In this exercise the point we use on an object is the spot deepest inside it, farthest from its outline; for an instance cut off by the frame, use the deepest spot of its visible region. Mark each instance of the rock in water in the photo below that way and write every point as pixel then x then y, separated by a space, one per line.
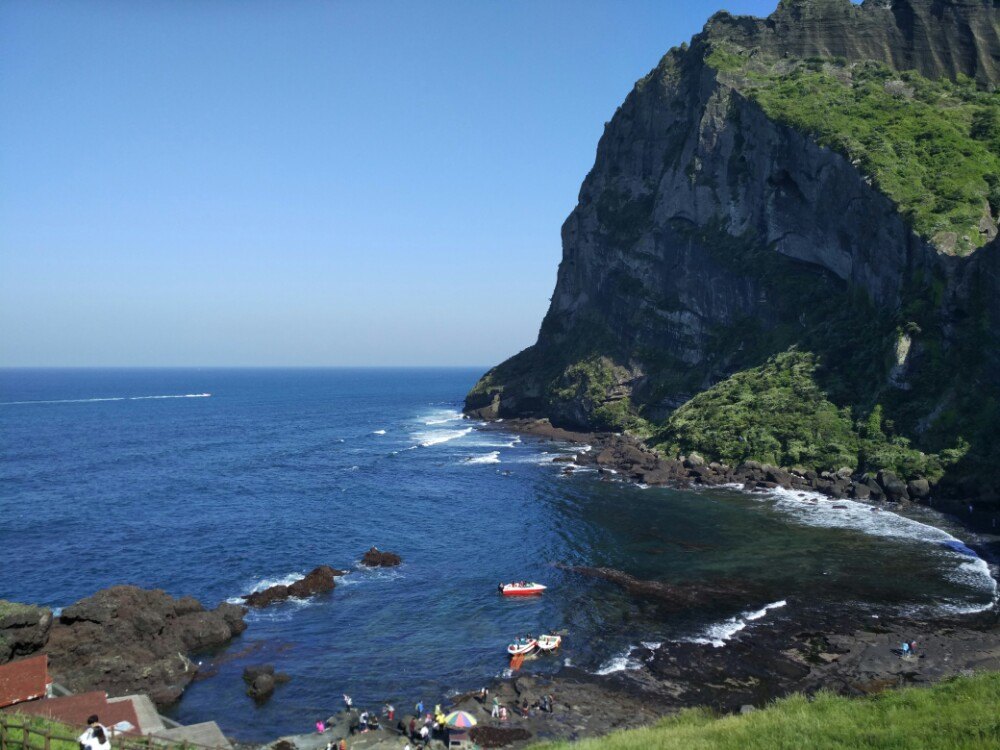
pixel 670 595
pixel 261 681
pixel 131 640
pixel 376 558
pixel 24 629
pixel 319 581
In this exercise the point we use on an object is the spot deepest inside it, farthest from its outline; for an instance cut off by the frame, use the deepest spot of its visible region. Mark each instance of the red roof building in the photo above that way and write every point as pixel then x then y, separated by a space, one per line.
pixel 74 710
pixel 24 680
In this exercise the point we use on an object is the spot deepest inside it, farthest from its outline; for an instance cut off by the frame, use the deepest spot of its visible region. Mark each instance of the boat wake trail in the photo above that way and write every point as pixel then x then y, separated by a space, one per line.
pixel 112 398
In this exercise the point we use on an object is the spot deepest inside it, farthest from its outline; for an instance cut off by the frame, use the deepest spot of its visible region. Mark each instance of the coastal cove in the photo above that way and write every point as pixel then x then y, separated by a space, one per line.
pixel 269 473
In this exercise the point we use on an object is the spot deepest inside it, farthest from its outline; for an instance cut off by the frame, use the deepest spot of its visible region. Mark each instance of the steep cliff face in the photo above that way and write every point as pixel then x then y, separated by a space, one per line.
pixel 710 236
pixel 938 38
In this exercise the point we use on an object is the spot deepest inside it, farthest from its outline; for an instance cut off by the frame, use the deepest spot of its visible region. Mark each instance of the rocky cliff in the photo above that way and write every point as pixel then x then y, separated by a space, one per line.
pixel 742 205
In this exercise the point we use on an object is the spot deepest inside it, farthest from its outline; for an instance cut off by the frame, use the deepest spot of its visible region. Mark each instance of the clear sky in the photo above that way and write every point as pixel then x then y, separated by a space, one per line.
pixel 301 183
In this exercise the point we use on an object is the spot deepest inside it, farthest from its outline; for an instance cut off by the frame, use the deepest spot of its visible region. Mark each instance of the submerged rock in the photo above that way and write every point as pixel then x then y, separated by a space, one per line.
pixel 261 681
pixel 674 596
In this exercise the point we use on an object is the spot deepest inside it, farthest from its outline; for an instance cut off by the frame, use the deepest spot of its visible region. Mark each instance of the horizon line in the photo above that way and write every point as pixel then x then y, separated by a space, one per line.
pixel 242 367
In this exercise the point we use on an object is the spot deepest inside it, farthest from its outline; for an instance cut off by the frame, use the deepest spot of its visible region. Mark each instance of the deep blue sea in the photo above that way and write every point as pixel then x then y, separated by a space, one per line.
pixel 216 483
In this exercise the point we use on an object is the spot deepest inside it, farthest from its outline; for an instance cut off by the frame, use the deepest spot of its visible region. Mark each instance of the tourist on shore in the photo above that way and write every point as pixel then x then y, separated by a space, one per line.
pixel 96 736
pixel 425 735
pixel 390 711
pixel 363 722
pixel 413 727
pixel 495 711
pixel 419 708
pixel 348 702
pixel 343 744
pixel 503 714
pixel 320 727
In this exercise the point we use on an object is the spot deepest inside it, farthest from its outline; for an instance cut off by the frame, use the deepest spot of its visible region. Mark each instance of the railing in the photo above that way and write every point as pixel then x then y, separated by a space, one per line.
pixel 18 734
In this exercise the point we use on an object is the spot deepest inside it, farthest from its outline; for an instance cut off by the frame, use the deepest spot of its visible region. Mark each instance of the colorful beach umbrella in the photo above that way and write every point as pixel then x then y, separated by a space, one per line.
pixel 460 720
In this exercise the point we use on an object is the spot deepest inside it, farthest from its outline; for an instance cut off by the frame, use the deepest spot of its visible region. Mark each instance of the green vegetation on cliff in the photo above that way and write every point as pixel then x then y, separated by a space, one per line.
pixel 958 714
pixel 777 413
pixel 933 147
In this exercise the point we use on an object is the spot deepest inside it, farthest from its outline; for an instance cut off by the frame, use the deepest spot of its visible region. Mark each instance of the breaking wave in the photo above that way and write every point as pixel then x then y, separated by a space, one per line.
pixel 493 457
pixel 718 634
pixel 619 663
pixel 436 437
pixel 443 416
pixel 969 569
pixel 266 583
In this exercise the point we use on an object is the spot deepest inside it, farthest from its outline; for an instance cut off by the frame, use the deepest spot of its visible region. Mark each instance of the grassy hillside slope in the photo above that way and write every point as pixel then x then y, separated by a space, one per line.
pixel 960 714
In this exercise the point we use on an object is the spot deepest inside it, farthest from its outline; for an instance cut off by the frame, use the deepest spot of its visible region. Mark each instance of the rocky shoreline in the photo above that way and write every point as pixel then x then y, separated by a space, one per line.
pixel 806 647
pixel 803 651
pixel 628 458
pixel 803 647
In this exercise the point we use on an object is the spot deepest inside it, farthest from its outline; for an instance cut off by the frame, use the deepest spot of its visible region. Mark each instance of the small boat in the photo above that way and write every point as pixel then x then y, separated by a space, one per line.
pixel 521 588
pixel 522 646
pixel 549 642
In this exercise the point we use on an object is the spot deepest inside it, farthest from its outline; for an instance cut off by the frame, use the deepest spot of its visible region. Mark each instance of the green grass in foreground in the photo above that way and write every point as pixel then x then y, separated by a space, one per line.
pixel 63 736
pixel 66 734
pixel 956 714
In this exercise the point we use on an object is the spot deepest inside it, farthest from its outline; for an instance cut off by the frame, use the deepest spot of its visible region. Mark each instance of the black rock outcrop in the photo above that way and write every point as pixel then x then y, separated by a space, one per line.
pixel 317 581
pixel 131 640
pixel 24 629
pixel 376 558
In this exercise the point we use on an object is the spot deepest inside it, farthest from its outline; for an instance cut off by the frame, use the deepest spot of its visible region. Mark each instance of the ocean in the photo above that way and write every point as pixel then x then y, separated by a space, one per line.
pixel 216 483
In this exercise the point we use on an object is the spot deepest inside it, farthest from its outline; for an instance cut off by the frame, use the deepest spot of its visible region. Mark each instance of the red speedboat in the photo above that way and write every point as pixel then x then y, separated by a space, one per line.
pixel 521 588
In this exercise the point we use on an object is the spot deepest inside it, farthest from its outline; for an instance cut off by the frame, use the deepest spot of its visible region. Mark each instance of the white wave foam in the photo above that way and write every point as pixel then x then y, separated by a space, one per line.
pixel 488 443
pixel 364 574
pixel 436 437
pixel 266 583
pixel 493 457
pixel 717 634
pixel 970 569
pixel 378 432
pixel 113 398
pixel 619 664
pixel 403 450
pixel 442 416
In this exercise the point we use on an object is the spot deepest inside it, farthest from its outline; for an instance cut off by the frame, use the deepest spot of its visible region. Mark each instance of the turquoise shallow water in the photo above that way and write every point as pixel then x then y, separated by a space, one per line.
pixel 275 471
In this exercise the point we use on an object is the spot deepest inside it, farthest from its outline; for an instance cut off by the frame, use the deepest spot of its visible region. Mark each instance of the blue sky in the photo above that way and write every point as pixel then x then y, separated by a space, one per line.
pixel 301 183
